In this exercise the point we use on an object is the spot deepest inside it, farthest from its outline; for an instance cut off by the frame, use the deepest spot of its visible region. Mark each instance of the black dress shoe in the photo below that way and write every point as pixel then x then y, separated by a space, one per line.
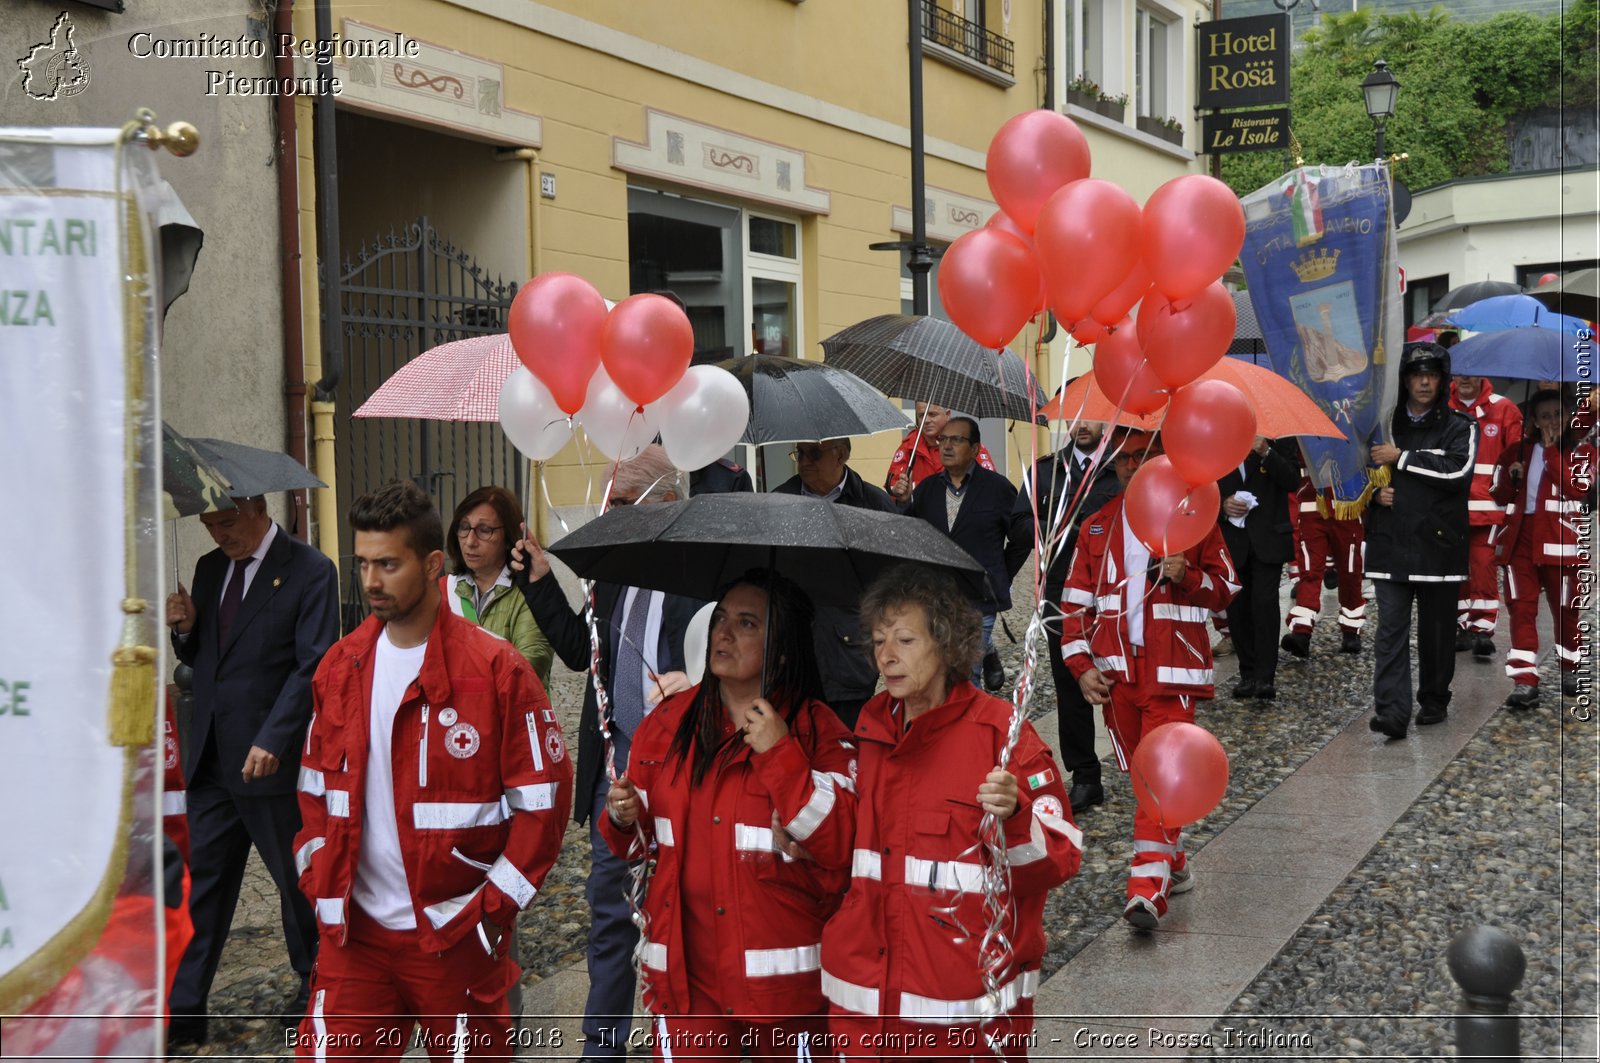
pixel 187 1030
pixel 1297 643
pixel 1244 688
pixel 1393 728
pixel 1085 795
pixel 1463 640
pixel 1264 692
pixel 1330 578
pixel 1432 714
pixel 1482 647
pixel 1350 642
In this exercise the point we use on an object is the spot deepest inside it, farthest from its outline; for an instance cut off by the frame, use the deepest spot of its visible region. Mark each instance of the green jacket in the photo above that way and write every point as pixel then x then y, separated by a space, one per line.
pixel 505 614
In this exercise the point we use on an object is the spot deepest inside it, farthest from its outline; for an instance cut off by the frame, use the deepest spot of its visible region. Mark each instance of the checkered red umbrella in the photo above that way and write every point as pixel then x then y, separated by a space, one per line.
pixel 456 381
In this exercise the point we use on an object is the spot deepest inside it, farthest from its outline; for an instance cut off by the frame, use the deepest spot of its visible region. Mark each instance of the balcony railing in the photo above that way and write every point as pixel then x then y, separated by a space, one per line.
pixel 950 30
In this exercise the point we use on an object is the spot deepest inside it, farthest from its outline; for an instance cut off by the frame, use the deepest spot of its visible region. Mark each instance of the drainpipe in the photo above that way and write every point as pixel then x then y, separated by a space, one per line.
pixel 1049 103
pixel 294 373
pixel 325 148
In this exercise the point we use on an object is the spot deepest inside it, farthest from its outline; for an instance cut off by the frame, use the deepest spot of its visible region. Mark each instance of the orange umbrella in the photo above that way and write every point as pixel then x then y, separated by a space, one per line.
pixel 1281 408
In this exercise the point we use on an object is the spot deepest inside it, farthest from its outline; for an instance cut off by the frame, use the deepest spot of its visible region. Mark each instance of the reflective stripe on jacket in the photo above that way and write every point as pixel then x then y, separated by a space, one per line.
pixel 1557 531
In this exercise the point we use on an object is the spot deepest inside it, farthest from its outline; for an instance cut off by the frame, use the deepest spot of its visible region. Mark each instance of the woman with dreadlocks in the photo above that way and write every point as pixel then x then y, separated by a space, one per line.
pixel 744 787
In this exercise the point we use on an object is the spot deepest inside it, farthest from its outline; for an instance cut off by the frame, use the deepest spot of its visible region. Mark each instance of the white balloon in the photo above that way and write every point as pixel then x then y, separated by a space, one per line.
pixel 702 417
pixel 695 638
pixel 617 426
pixel 530 417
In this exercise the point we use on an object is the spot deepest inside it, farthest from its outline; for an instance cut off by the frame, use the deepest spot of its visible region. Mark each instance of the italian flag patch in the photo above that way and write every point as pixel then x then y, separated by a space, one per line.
pixel 1044 778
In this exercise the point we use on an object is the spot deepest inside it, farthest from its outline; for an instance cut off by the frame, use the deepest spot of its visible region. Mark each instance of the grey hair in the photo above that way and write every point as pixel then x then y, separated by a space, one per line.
pixel 649 477
pixel 952 620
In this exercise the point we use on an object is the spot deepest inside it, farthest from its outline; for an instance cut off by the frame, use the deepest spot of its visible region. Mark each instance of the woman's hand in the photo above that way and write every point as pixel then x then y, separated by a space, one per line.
pixel 622 803
pixel 763 727
pixel 998 794
pixel 666 685
pixel 526 554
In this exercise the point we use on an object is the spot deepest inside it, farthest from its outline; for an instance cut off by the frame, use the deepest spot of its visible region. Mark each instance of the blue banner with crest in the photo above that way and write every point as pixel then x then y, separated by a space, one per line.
pixel 1320 260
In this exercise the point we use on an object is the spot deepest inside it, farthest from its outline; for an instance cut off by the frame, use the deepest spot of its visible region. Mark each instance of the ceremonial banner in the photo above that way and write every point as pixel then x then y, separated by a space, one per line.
pixel 1322 267
pixel 80 598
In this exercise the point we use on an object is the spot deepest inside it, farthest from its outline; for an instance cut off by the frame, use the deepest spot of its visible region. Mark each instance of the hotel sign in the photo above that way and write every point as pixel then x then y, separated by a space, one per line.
pixel 1244 61
pixel 1264 130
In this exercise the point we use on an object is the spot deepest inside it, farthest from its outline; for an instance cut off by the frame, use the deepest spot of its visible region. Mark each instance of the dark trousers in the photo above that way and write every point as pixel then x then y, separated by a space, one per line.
pixel 1436 655
pixel 1253 618
pixel 222 827
pixel 1074 715
pixel 608 1013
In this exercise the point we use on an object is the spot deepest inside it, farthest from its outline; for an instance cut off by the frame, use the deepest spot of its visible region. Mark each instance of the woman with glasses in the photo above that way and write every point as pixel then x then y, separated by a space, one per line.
pixel 479 585
pixel 743 788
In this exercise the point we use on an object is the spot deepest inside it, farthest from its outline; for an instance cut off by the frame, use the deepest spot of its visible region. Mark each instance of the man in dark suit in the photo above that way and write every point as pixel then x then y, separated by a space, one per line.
pixel 263 612
pixel 849 673
pixel 1068 486
pixel 641 661
pixel 1256 495
pixel 976 508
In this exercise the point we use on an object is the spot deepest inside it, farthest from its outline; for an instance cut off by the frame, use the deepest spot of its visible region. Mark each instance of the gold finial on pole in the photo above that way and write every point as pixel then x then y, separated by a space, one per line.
pixel 182 139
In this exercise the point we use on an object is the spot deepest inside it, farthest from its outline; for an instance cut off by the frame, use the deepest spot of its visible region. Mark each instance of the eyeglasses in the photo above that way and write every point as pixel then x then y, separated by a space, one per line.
pixel 484 532
pixel 809 453
pixel 950 441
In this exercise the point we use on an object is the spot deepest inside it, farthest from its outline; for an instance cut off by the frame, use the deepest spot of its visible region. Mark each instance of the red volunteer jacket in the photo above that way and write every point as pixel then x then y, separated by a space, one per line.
pixel 174 794
pixel 1499 429
pixel 482 781
pixel 1177 641
pixel 905 942
pixel 775 906
pixel 919 452
pixel 1561 509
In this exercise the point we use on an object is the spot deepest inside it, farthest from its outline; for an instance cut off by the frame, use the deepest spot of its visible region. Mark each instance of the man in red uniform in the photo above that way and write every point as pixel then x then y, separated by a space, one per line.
pixel 1547 480
pixel 1499 429
pixel 918 456
pixel 1135 637
pixel 1319 537
pixel 434 790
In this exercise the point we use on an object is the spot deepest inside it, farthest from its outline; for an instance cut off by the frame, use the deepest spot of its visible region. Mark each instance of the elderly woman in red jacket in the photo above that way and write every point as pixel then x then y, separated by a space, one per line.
pixel 900 961
pixel 747 801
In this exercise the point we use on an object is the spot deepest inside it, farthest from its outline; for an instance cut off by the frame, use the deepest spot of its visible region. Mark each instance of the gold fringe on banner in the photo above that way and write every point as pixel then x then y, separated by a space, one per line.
pixel 1355 507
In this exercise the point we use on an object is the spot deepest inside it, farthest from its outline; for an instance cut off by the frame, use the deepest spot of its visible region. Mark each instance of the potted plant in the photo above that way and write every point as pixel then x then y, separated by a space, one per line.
pixel 1168 129
pixel 1113 106
pixel 1083 92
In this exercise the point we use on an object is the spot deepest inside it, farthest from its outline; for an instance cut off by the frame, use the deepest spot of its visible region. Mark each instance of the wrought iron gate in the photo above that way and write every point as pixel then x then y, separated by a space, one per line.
pixel 405 293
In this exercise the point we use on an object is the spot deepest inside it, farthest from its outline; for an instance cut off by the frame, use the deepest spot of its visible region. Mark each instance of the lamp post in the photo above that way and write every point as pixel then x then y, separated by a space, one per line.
pixel 1380 88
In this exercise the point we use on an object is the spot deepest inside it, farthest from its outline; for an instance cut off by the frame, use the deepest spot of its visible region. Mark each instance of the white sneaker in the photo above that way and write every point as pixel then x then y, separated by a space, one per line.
pixel 1141 913
pixel 1182 882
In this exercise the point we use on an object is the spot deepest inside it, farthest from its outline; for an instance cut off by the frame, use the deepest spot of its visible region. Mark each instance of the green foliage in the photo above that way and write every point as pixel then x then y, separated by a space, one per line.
pixel 1461 82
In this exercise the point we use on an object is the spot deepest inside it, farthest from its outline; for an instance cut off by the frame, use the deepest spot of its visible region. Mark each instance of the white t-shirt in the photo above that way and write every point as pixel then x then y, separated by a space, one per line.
pixel 1136 563
pixel 380 884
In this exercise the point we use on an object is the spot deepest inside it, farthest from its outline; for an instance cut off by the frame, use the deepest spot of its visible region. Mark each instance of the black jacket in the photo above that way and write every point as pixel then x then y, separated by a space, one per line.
pixel 988 526
pixel 569 637
pixel 1055 486
pixel 1267 535
pixel 844 653
pixel 1423 536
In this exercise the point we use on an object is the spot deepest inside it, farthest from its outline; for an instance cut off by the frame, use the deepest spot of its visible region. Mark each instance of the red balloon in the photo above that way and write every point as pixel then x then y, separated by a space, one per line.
pixel 646 345
pixel 1003 222
pixel 1152 308
pixel 1548 278
pixel 1209 429
pixel 1089 331
pixel 1188 340
pixel 1193 230
pixel 1166 512
pixel 1031 156
pixel 1123 376
pixel 1179 773
pixel 555 324
pixel 1121 299
pixel 1087 238
pixel 989 284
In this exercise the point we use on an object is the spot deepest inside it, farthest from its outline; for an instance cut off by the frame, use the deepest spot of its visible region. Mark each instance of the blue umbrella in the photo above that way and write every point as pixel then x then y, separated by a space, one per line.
pixel 1524 354
pixel 1512 311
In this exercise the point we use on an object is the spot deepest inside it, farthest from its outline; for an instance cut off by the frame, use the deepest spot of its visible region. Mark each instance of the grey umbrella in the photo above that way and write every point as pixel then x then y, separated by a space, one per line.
pixel 1576 293
pixel 929 360
pixel 253 471
pixel 1467 294
pixel 794 401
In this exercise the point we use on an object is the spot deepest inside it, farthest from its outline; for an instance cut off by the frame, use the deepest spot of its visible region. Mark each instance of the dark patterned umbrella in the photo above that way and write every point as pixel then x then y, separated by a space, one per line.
pixel 253 471
pixel 1467 294
pixel 794 401
pixel 929 360
pixel 190 484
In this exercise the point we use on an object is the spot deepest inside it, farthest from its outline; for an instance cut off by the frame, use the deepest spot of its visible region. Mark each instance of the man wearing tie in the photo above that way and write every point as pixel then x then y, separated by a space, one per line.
pixel 263 612
pixel 1255 527
pixel 641 660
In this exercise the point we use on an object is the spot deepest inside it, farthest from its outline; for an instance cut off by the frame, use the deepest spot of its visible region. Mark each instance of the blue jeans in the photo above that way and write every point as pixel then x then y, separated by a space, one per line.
pixel 988 644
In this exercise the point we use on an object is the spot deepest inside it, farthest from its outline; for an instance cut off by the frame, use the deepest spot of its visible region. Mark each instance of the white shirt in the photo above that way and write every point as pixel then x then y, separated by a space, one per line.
pixel 1535 478
pixel 652 635
pixel 251 567
pixel 1135 562
pixel 380 884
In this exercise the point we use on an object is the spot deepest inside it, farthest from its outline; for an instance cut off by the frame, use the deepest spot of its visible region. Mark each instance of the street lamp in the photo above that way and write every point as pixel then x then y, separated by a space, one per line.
pixel 1380 88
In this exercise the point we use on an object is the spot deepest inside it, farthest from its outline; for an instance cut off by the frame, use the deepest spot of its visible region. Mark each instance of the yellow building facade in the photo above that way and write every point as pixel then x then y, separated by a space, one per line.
pixel 743 154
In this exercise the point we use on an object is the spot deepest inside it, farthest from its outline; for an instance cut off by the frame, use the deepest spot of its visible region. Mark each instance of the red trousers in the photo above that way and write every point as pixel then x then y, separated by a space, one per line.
pixel 1523 582
pixel 366 995
pixel 1479 605
pixel 1319 539
pixel 708 1033
pixel 852 1037
pixel 1136 710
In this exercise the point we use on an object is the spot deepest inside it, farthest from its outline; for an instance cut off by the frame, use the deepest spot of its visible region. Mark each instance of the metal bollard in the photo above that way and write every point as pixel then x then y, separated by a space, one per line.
pixel 183 705
pixel 1488 966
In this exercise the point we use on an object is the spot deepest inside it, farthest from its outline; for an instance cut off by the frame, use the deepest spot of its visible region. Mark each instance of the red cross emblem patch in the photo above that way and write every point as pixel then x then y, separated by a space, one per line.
pixel 461 741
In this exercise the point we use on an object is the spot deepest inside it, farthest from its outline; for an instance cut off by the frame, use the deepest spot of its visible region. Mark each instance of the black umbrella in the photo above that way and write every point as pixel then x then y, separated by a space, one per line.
pixel 1467 294
pixel 696 547
pixel 253 471
pixel 929 360
pixel 794 401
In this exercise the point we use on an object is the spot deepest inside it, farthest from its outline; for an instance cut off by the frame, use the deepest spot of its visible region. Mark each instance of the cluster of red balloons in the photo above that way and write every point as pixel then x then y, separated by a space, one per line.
pixel 622 372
